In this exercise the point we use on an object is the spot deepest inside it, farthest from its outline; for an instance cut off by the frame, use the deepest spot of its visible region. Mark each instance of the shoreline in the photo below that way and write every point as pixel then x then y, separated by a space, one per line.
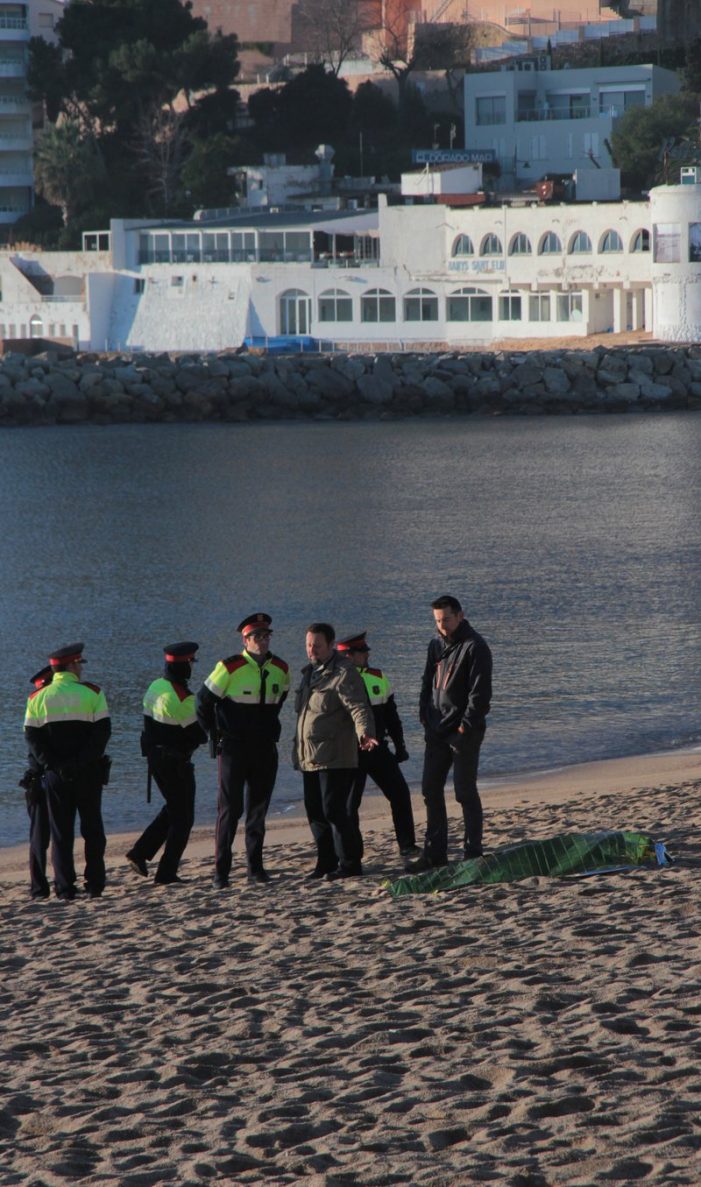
pixel 554 787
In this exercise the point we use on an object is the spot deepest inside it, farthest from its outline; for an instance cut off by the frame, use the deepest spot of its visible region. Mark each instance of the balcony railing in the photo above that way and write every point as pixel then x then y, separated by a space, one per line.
pixel 540 114
pixel 13 22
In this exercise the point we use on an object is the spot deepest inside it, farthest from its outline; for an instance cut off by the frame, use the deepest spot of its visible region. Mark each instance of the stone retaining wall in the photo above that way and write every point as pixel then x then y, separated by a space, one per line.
pixel 62 387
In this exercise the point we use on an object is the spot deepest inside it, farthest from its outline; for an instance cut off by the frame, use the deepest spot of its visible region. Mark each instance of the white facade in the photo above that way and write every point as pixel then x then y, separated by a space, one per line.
pixel 540 121
pixel 429 276
pixel 19 22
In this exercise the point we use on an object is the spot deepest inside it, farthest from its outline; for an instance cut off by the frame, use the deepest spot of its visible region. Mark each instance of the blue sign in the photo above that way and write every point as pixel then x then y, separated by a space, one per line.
pixel 452 156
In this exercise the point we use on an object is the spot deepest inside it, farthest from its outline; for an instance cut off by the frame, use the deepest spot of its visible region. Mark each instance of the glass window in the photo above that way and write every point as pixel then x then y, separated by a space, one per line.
pixel 641 240
pixel 215 247
pixel 335 305
pixel 421 305
pixel 186 248
pixel 490 109
pixel 611 241
pixel 272 246
pixel 580 243
pixel 139 284
pixel 298 245
pixel 469 304
pixel 550 244
pixel 667 238
pixel 520 245
pixel 463 246
pixel 294 312
pixel 509 307
pixel 491 246
pixel 243 246
pixel 570 307
pixel 377 305
pixel 539 307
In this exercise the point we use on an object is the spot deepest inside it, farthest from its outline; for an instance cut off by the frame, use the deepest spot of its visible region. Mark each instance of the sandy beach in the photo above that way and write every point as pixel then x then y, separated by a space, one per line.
pixel 534 1034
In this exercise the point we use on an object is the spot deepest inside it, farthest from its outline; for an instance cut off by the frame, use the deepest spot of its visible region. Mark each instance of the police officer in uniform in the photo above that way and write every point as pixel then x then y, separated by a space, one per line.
pixel 171 734
pixel 67 727
pixel 239 706
pixel 37 809
pixel 381 764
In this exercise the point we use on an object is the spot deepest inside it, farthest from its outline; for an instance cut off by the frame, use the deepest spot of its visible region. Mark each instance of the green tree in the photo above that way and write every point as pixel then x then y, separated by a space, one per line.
pixel 314 108
pixel 68 168
pixel 646 139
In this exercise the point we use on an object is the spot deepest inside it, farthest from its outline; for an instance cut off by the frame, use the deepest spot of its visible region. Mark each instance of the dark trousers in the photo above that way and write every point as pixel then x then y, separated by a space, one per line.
pixel 384 770
pixel 329 806
pixel 38 842
pixel 461 752
pixel 65 798
pixel 246 778
pixel 172 826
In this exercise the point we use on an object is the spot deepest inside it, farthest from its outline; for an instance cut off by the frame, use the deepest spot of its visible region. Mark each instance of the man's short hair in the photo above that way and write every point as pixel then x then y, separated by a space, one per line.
pixel 322 628
pixel 447 602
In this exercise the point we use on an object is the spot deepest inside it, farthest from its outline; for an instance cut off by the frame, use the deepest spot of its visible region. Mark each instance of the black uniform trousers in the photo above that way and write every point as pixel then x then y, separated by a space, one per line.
pixel 38 840
pixel 246 777
pixel 328 801
pixel 384 770
pixel 175 779
pixel 461 752
pixel 66 797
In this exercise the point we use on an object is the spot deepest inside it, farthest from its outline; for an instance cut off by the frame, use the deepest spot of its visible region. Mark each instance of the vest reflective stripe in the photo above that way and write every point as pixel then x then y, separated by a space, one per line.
pixel 65 699
pixel 162 703
pixel 241 681
pixel 377 685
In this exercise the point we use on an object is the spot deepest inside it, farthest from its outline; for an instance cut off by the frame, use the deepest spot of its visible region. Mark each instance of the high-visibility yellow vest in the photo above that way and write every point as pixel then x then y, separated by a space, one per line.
pixel 170 703
pixel 377 685
pixel 65 699
pixel 244 681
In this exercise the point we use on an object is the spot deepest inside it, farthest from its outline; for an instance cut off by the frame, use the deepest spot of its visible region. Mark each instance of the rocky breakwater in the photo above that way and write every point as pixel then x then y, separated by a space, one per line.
pixel 72 388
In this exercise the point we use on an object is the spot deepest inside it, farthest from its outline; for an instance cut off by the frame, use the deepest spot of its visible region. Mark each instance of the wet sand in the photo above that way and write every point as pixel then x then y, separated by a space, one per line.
pixel 534 1034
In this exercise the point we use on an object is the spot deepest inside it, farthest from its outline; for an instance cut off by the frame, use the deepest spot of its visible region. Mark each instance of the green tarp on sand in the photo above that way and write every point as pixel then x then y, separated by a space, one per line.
pixel 570 853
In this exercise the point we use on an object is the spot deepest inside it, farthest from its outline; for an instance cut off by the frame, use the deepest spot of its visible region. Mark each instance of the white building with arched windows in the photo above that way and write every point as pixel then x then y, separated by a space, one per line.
pixel 424 276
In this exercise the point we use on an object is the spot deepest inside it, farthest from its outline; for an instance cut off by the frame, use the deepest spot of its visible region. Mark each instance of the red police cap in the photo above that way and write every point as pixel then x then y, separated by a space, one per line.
pixel 181 653
pixel 66 655
pixel 254 622
pixel 42 677
pixel 354 642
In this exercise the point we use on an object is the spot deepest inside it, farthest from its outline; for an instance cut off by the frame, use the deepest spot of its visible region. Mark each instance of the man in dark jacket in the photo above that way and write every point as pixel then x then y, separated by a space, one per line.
pixel 456 692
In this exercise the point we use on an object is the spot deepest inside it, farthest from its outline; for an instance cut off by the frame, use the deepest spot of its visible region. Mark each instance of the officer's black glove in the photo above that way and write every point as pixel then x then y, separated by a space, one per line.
pixel 401 754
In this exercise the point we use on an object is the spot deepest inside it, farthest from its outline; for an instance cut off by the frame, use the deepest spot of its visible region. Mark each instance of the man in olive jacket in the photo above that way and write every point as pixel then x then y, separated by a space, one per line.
pixel 334 718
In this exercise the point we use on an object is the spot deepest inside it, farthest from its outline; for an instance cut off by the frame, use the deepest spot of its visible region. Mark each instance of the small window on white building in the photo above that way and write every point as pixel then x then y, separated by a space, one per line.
pixel 177 282
pixel 335 305
pixel 570 307
pixel 667 241
pixel 377 305
pixel 491 245
pixel 610 242
pixel 550 244
pixel 469 304
pixel 490 109
pixel 295 312
pixel 539 307
pixel 421 305
pixel 462 246
pixel 509 307
pixel 36 327
pixel 520 245
pixel 580 244
pixel 640 240
pixel 2 329
pixel 139 284
pixel 591 144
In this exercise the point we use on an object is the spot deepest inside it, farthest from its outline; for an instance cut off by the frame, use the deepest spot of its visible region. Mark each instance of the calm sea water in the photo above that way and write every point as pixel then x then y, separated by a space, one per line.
pixel 574 543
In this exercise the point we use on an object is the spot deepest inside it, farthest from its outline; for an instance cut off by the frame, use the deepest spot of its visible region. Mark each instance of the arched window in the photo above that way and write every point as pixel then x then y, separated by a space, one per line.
pixel 335 305
pixel 520 245
pixel 377 305
pixel 509 306
pixel 580 244
pixel 550 244
pixel 295 312
pixel 421 305
pixel 491 245
pixel 36 327
pixel 463 246
pixel 610 241
pixel 641 240
pixel 469 304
